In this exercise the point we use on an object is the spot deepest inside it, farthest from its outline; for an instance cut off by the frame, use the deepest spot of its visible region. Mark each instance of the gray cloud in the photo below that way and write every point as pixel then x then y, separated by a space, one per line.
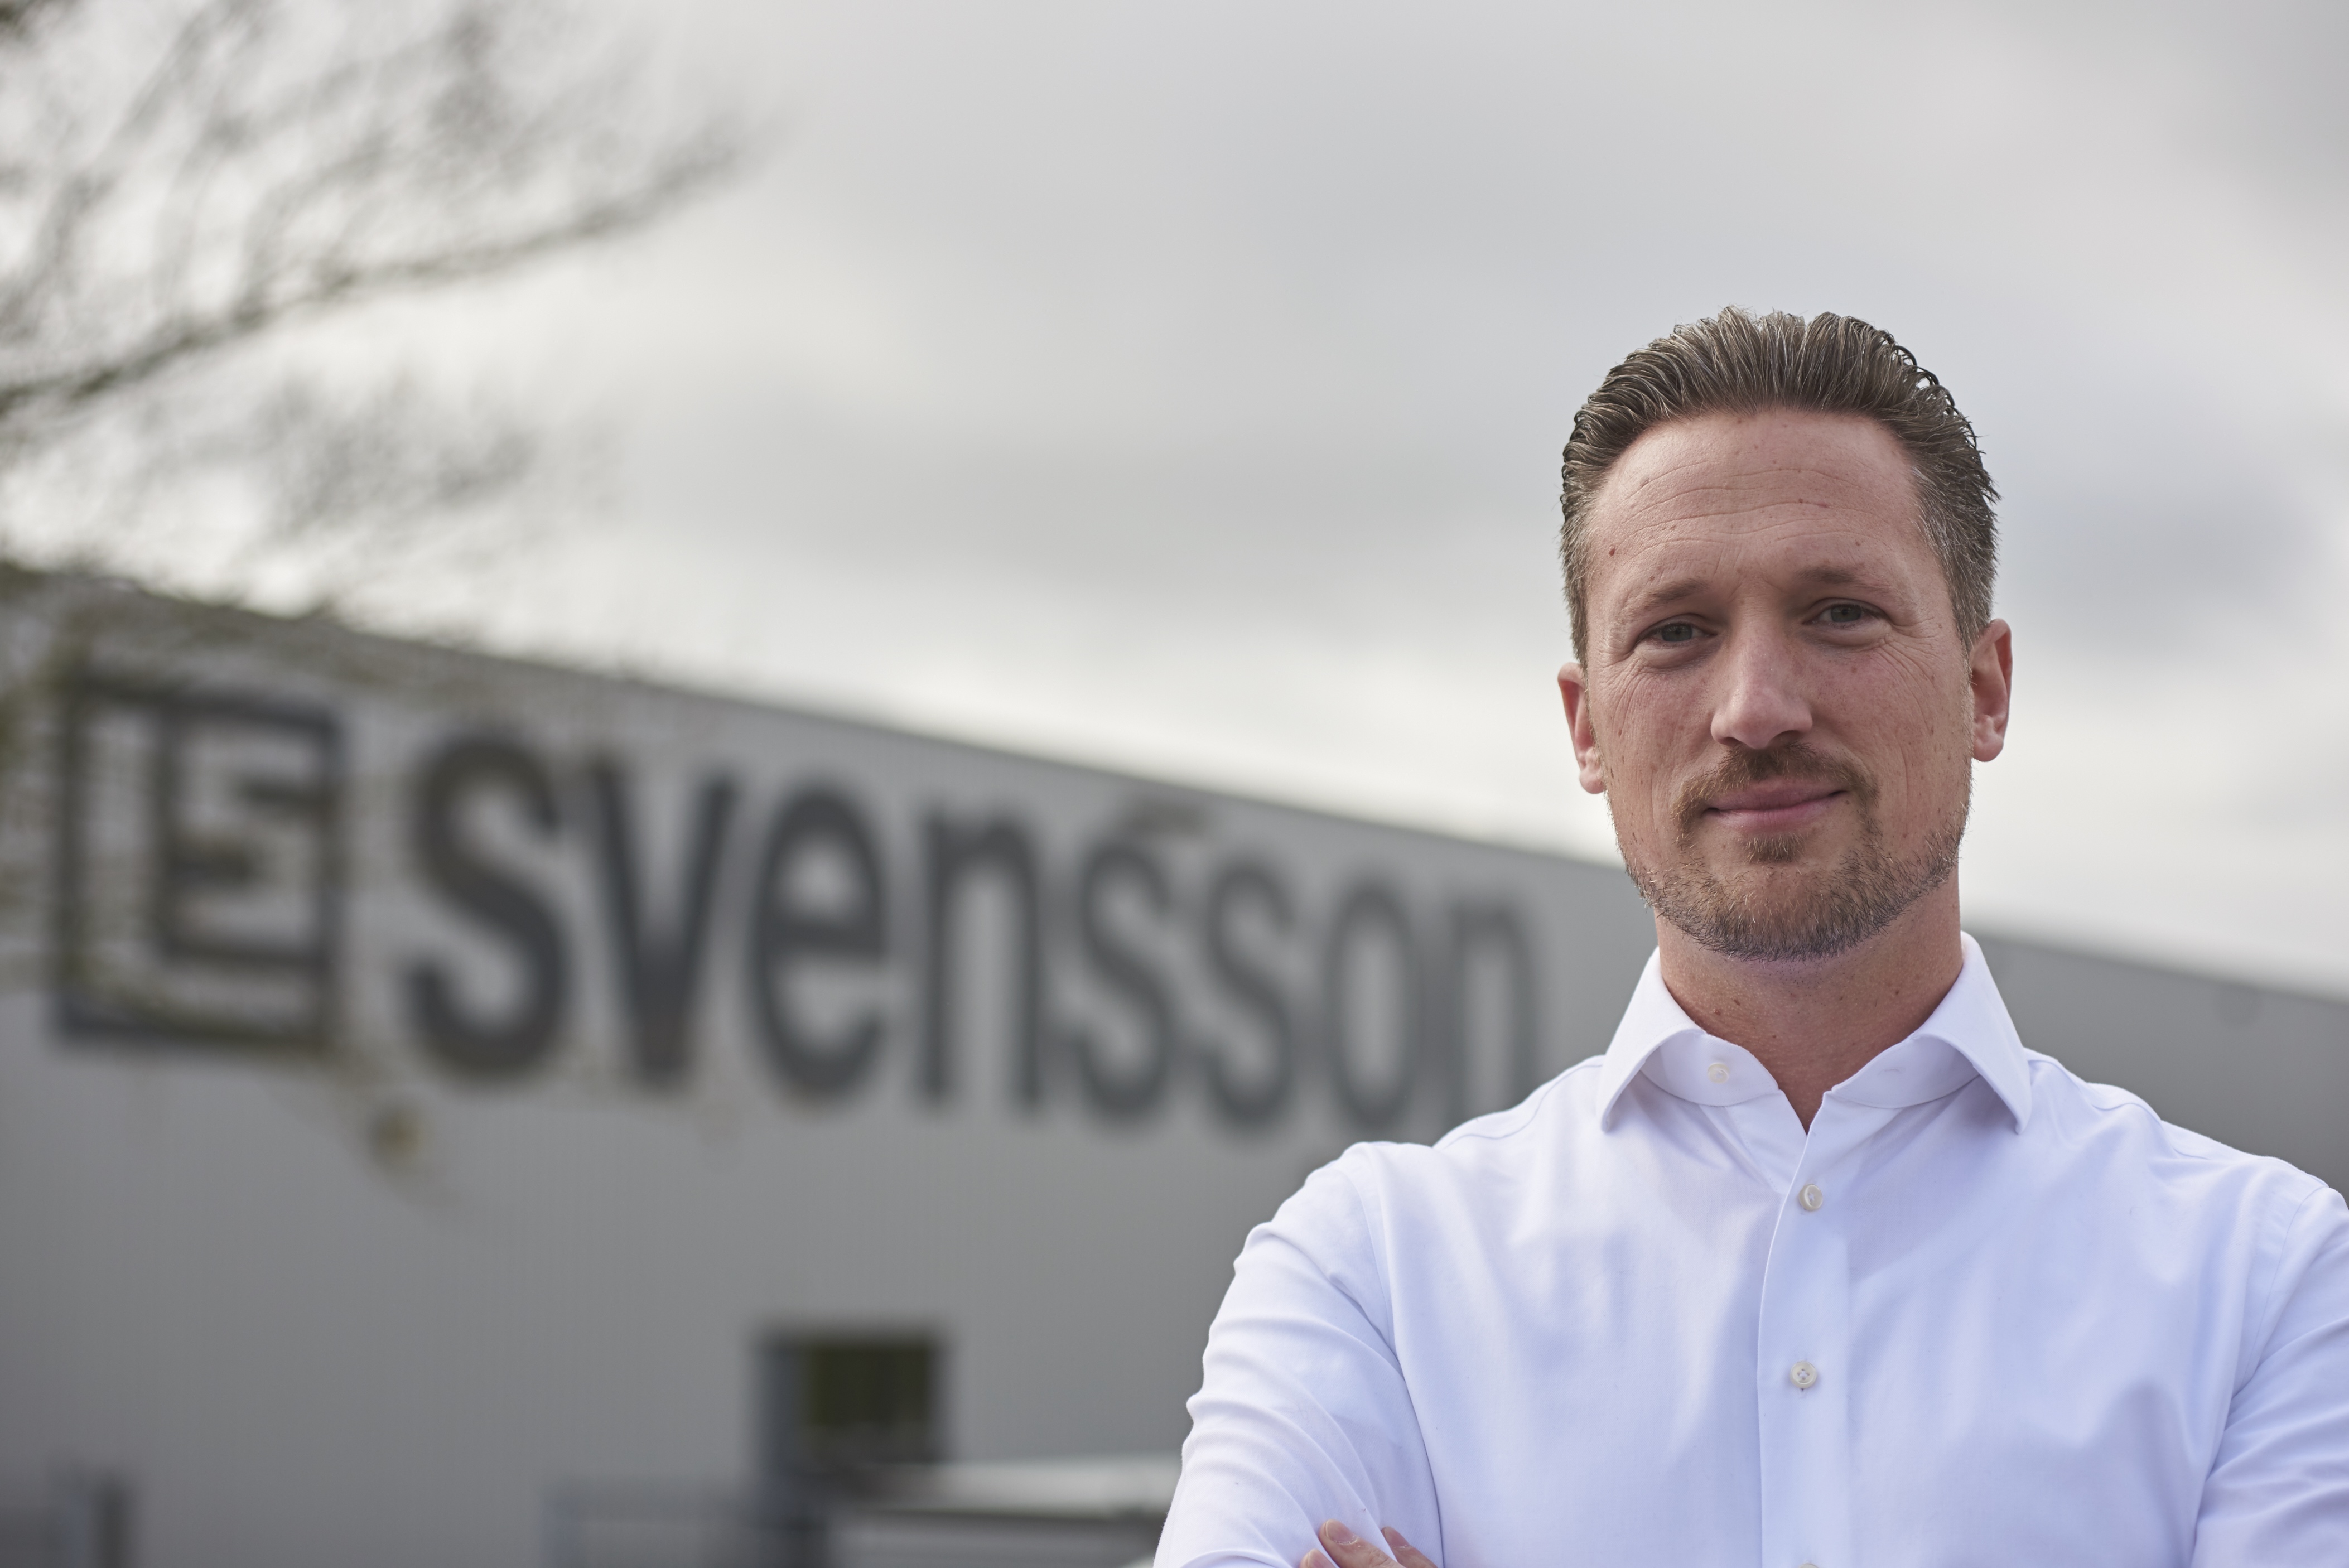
pixel 1124 376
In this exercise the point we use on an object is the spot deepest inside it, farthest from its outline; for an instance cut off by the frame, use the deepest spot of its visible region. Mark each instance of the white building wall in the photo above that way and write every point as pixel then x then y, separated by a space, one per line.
pixel 333 1301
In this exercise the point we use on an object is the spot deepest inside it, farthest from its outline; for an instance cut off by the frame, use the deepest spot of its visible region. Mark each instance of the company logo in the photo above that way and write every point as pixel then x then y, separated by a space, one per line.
pixel 200 891
pixel 198 867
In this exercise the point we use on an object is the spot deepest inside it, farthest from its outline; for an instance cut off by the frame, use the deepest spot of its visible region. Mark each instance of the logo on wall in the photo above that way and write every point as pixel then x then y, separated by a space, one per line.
pixel 201 877
pixel 198 874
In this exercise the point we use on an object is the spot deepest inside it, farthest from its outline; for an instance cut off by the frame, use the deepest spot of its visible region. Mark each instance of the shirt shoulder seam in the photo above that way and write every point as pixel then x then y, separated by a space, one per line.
pixel 2195 1146
pixel 1531 1106
pixel 1373 1242
pixel 2272 1300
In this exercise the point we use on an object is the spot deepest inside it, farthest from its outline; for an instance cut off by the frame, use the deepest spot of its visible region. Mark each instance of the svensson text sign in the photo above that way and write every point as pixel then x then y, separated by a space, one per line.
pixel 287 839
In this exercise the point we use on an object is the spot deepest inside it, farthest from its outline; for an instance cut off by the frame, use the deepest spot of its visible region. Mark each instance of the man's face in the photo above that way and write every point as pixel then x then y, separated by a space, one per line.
pixel 1776 700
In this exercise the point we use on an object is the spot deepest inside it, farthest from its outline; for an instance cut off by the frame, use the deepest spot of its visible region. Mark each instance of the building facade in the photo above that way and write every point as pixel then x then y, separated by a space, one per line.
pixel 432 1082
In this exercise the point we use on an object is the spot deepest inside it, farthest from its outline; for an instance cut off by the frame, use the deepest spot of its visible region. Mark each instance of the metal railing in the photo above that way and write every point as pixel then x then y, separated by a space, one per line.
pixel 648 1525
pixel 1095 1514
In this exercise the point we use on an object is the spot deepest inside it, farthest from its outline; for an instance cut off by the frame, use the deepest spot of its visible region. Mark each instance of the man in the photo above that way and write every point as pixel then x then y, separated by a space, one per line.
pixel 1819 1264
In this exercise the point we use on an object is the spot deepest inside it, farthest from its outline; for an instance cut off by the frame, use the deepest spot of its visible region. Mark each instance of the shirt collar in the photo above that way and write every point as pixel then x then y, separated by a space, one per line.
pixel 1968 1034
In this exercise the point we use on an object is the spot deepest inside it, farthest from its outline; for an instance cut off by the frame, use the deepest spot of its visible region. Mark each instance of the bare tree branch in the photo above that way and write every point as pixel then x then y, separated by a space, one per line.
pixel 183 180
pixel 191 335
pixel 277 192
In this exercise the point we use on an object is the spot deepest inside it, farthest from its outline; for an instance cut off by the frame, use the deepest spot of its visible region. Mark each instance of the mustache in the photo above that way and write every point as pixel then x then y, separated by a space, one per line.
pixel 1742 768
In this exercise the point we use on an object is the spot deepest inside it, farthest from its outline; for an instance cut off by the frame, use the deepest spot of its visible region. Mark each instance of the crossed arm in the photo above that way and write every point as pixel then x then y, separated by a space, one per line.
pixel 1350 1550
pixel 1305 1412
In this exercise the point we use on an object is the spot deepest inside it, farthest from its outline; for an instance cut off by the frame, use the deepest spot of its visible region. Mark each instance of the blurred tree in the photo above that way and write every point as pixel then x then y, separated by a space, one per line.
pixel 183 180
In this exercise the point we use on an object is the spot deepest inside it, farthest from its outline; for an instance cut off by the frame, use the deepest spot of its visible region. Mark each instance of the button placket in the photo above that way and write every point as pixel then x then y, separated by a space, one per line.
pixel 1803 1353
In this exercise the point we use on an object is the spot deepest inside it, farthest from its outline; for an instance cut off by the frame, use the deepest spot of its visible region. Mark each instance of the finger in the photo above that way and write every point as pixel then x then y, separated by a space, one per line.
pixel 1407 1554
pixel 1350 1549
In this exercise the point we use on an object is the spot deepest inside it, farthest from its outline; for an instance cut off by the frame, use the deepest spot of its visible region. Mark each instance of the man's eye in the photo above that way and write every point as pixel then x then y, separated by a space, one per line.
pixel 1844 615
pixel 1676 632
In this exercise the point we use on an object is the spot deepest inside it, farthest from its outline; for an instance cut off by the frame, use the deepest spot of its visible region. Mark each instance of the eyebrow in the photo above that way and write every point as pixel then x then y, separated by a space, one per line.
pixel 1681 587
pixel 1664 594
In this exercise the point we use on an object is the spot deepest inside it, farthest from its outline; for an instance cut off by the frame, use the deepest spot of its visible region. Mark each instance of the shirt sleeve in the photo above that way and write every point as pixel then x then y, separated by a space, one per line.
pixel 1303 1415
pixel 2279 1490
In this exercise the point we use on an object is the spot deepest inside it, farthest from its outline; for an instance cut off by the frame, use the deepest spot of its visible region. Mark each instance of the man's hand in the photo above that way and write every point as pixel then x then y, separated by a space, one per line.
pixel 1350 1550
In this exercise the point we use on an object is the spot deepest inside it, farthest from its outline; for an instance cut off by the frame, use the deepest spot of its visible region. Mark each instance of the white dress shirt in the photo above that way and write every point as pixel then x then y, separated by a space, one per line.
pixel 1982 1313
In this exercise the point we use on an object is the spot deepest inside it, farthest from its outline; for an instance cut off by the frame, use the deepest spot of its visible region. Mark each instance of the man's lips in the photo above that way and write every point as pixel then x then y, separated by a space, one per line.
pixel 1775 806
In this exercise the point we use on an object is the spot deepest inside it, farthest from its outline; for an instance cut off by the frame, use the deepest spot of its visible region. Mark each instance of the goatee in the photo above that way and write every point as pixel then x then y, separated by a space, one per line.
pixel 1759 910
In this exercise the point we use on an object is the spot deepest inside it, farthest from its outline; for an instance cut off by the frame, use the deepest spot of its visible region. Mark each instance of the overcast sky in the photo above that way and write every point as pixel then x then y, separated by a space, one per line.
pixel 1181 387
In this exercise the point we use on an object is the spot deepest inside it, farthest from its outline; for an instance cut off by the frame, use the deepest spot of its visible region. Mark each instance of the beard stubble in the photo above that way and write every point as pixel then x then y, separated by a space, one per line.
pixel 1755 911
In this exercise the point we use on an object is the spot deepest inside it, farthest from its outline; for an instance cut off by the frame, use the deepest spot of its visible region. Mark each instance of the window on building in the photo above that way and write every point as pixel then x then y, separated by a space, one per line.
pixel 833 1402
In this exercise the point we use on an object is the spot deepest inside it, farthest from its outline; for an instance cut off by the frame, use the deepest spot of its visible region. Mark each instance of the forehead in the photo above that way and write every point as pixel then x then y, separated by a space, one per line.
pixel 1770 494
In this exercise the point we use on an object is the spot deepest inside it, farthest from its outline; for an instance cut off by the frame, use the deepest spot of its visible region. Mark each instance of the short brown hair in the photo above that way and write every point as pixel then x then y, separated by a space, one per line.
pixel 1737 363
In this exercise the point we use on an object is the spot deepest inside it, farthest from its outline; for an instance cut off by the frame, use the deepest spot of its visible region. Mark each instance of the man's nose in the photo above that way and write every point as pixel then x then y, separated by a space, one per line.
pixel 1761 701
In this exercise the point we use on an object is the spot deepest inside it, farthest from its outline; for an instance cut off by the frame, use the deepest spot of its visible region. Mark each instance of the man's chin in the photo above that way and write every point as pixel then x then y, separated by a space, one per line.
pixel 1820 899
pixel 1779 851
pixel 1810 856
pixel 1780 898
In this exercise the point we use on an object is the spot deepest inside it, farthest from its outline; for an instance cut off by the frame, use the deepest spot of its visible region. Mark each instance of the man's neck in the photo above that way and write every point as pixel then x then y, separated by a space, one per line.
pixel 1814 1024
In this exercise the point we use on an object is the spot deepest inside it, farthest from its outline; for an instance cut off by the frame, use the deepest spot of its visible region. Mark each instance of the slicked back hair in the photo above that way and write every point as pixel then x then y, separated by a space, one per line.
pixel 1738 363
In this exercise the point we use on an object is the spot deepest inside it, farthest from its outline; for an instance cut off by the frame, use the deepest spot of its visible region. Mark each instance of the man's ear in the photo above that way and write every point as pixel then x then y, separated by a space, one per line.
pixel 1576 690
pixel 1991 670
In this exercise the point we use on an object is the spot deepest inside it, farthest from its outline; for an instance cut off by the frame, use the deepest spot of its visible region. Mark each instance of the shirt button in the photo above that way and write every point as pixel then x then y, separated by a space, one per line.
pixel 1812 1197
pixel 1718 1072
pixel 1804 1374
